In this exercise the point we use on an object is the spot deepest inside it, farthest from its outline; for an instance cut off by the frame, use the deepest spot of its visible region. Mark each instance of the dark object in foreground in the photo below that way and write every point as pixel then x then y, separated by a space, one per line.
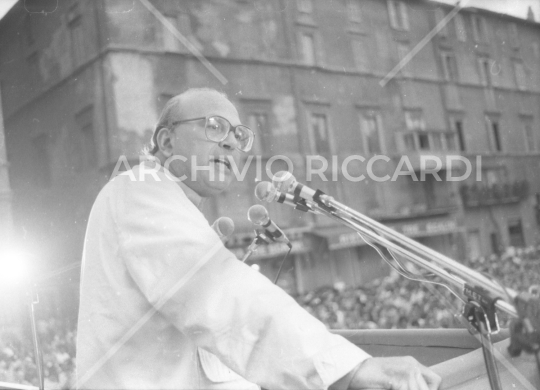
pixel 525 331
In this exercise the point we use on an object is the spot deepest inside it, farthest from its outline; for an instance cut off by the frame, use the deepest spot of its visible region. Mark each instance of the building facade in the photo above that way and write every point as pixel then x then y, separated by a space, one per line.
pixel 368 86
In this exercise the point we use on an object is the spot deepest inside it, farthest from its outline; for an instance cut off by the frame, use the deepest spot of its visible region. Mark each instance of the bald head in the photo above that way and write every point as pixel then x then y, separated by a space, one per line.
pixel 193 103
pixel 199 102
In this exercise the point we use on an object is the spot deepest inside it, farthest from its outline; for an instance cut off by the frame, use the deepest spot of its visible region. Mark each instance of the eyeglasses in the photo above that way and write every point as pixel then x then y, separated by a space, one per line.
pixel 217 129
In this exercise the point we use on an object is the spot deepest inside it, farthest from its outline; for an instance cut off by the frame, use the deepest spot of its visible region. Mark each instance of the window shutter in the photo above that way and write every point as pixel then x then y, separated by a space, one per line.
pixel 392 14
pixel 404 16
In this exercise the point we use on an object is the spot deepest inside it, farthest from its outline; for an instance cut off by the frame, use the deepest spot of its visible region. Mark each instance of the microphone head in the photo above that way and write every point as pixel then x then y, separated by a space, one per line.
pixel 224 226
pixel 257 214
pixel 283 181
pixel 265 191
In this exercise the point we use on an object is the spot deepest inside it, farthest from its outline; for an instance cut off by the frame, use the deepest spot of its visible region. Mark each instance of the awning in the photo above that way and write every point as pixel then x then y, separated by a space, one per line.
pixel 339 237
pixel 426 228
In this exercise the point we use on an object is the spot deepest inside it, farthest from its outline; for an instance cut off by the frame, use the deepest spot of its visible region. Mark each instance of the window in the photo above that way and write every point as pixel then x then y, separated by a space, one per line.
pixel 87 151
pixel 307 46
pixel 494 134
pixel 360 55
pixel 42 164
pixel 515 233
pixel 439 16
pixel 427 140
pixel 513 34
pixel 459 23
pixel 521 76
pixel 484 71
pixel 416 138
pixel 423 141
pixel 403 51
pixel 494 240
pixel 169 41
pixel 258 122
pixel 77 36
pixel 305 6
pixel 479 28
pixel 397 11
pixel 354 11
pixel 528 132
pixel 371 133
pixel 414 120
pixel 449 66
pixel 456 126
pixel 319 131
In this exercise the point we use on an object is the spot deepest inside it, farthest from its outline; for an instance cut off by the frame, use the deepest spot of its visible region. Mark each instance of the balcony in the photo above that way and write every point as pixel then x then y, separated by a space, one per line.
pixel 421 146
pixel 426 141
pixel 474 195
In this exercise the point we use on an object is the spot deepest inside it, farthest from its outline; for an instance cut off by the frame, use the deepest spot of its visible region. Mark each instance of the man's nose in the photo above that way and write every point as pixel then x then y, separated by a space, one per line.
pixel 230 142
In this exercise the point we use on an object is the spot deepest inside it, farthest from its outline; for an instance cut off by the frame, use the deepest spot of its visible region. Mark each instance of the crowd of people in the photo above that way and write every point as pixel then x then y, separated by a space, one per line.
pixel 396 302
pixel 57 341
pixel 390 303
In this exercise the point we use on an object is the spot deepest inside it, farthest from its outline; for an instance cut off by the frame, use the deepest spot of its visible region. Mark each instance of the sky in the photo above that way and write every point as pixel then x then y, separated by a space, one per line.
pixel 5 5
pixel 513 7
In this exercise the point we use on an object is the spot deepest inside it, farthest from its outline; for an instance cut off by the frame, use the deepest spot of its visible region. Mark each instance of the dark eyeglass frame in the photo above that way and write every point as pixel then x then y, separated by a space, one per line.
pixel 231 128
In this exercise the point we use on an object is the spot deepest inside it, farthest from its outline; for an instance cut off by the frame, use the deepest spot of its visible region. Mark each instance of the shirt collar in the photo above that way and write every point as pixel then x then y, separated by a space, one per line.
pixel 194 197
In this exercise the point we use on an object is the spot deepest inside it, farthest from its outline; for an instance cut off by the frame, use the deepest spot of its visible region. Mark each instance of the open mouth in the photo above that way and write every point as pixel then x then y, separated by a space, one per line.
pixel 222 160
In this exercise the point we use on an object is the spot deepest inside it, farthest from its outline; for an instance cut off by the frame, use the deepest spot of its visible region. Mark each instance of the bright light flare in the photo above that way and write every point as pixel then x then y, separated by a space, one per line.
pixel 13 266
pixel 256 267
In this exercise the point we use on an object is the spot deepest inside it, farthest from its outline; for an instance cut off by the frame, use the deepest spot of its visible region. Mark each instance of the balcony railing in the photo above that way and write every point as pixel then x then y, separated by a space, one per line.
pixel 474 195
pixel 426 140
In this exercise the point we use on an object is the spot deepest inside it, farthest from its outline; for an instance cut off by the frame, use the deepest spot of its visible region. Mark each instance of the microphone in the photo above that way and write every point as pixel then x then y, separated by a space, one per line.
pixel 224 227
pixel 265 191
pixel 259 216
pixel 285 181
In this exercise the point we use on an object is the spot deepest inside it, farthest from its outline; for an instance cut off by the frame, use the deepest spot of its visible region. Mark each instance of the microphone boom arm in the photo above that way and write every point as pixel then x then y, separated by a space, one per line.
pixel 447 269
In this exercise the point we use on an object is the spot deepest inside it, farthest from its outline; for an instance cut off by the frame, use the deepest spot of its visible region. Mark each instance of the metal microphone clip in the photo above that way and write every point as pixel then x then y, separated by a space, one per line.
pixel 260 238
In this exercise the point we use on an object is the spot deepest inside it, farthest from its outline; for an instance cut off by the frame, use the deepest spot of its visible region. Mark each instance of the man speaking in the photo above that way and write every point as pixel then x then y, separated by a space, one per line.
pixel 164 305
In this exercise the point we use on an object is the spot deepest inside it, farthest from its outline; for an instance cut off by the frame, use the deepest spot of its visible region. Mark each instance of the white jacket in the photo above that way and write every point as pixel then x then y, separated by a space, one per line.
pixel 164 305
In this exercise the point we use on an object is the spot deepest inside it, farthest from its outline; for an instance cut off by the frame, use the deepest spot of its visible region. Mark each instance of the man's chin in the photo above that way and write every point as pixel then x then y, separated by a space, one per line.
pixel 217 186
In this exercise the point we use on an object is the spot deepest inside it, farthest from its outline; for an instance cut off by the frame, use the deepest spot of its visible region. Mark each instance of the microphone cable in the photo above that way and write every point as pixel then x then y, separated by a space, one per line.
pixel 282 263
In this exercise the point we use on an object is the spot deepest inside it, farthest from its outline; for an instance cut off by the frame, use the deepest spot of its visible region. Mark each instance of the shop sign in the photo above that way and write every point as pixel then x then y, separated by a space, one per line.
pixel 414 229
pixel 345 240
pixel 426 228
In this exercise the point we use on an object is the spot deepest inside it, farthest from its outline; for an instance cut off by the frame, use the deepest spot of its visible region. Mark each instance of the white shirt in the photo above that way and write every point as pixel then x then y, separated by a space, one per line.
pixel 164 305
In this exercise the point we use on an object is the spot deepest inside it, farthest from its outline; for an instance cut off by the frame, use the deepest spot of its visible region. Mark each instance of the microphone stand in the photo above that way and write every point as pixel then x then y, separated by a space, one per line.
pixel 460 276
pixel 484 296
pixel 33 299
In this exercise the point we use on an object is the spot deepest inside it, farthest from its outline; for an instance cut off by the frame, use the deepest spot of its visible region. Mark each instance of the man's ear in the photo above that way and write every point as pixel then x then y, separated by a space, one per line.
pixel 165 141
